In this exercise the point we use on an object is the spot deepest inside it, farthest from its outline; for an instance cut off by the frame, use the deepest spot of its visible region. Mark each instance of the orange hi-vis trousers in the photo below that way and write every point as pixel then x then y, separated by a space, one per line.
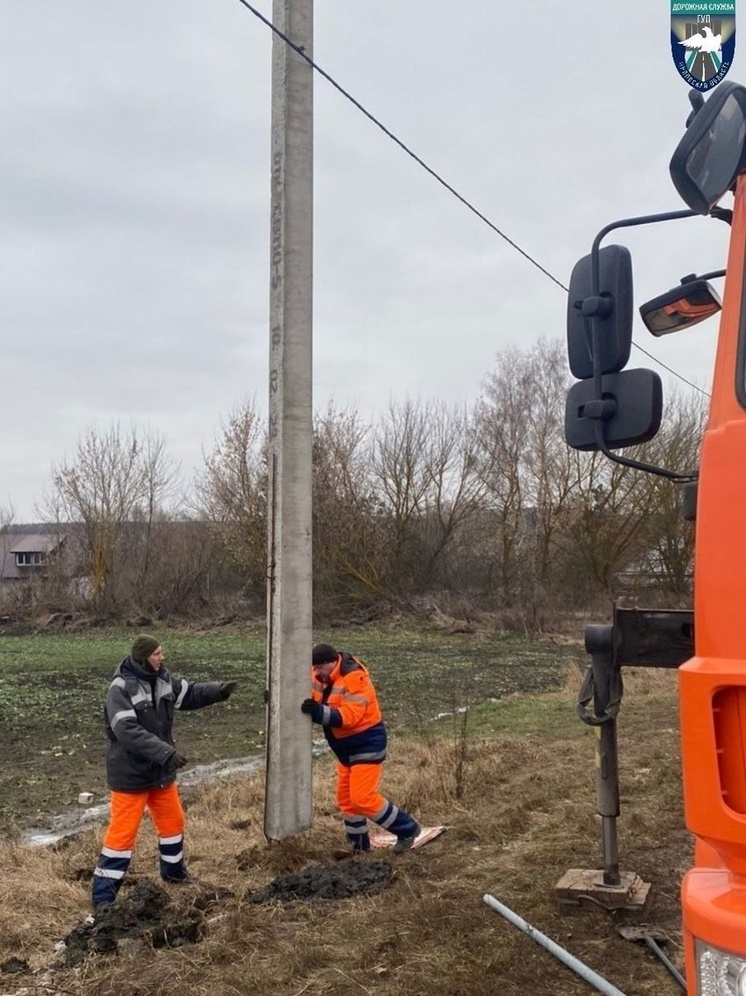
pixel 127 809
pixel 359 801
pixel 357 789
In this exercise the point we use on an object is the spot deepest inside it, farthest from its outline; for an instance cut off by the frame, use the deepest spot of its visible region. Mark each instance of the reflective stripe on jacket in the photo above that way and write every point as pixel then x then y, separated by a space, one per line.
pixel 351 716
pixel 139 714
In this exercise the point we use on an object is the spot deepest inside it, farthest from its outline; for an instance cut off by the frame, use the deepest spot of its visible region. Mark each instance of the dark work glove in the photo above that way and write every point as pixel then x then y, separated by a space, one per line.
pixel 312 709
pixel 175 762
pixel 227 688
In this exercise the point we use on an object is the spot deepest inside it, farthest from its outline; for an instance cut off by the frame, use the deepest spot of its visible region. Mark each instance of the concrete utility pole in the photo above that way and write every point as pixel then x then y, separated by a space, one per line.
pixel 288 804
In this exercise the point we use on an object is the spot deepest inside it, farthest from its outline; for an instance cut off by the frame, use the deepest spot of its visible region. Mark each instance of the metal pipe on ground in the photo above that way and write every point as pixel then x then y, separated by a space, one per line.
pixel 573 963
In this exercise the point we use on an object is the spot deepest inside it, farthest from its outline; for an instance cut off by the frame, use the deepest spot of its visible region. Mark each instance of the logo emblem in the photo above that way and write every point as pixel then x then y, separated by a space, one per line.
pixel 703 40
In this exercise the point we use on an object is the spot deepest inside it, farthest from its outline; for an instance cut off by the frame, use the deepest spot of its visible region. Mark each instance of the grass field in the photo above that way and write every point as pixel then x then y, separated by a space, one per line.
pixel 512 778
pixel 52 688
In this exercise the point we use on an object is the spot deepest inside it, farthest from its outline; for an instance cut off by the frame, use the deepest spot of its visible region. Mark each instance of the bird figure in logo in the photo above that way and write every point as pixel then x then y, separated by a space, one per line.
pixel 703 43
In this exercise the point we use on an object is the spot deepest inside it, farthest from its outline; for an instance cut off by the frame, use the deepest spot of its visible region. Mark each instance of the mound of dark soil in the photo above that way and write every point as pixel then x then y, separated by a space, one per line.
pixel 14 964
pixel 341 881
pixel 146 912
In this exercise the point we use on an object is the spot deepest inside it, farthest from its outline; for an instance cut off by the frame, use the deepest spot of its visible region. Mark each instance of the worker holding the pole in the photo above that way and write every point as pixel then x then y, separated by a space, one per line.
pixel 344 702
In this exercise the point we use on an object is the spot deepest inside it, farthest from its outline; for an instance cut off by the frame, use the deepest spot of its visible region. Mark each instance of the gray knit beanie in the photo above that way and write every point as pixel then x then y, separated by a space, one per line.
pixel 143 647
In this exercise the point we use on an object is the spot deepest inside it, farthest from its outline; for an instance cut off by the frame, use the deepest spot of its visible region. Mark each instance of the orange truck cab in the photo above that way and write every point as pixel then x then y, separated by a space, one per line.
pixel 610 408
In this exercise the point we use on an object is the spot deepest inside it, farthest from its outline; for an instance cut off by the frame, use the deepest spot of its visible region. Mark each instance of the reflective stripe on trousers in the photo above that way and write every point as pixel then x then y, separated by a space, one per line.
pixel 356 828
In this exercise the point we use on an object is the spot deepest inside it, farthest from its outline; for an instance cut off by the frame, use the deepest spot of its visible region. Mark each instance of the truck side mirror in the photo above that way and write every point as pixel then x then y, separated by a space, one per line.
pixel 691 302
pixel 710 155
pixel 609 305
pixel 599 316
pixel 630 410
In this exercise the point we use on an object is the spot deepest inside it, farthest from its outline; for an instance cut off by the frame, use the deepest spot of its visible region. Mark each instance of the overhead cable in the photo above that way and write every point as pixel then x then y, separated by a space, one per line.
pixel 435 175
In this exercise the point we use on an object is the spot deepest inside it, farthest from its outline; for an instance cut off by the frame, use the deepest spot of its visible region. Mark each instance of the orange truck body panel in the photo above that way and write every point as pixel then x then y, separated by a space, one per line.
pixel 712 684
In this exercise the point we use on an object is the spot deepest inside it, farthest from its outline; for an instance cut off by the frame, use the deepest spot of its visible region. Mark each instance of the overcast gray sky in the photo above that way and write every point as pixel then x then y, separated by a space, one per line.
pixel 134 204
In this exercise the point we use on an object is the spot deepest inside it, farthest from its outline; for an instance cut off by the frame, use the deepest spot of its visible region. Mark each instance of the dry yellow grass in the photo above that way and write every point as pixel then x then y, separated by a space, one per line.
pixel 524 816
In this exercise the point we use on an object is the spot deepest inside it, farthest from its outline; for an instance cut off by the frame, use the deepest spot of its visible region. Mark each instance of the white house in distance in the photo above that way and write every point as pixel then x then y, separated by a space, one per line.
pixel 27 552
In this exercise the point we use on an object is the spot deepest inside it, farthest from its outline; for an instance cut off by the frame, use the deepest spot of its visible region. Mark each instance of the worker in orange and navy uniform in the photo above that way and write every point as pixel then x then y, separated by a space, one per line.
pixel 344 702
pixel 141 763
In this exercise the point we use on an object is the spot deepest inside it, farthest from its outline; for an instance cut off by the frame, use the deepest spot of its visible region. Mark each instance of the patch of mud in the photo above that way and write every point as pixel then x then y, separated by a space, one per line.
pixel 341 881
pixel 145 913
pixel 13 964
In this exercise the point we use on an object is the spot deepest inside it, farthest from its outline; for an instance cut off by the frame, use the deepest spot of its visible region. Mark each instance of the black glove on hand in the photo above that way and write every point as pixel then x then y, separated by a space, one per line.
pixel 175 762
pixel 312 709
pixel 227 688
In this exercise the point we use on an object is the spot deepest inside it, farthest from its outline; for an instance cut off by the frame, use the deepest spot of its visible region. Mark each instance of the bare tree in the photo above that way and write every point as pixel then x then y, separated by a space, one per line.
pixel 604 526
pixel 351 551
pixel 232 494
pixel 549 465
pixel 670 539
pixel 623 526
pixel 182 557
pixel 400 467
pixel 114 479
pixel 160 473
pixel 454 490
pixel 424 468
pixel 7 515
pixel 522 460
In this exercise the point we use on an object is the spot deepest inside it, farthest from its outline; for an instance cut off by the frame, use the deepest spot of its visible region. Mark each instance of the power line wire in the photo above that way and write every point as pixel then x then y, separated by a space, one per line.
pixel 671 370
pixel 402 145
pixel 436 176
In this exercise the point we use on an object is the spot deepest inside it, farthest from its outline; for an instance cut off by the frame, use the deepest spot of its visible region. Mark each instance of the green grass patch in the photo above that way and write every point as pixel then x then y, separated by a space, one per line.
pixel 550 715
pixel 52 688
